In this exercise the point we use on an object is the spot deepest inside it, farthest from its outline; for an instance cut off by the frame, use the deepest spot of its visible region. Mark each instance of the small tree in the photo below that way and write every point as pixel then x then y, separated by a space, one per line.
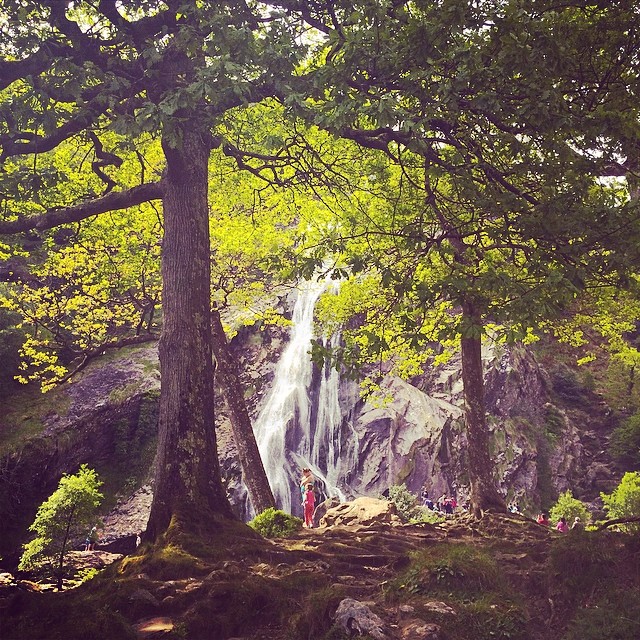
pixel 624 502
pixel 65 515
pixel 569 507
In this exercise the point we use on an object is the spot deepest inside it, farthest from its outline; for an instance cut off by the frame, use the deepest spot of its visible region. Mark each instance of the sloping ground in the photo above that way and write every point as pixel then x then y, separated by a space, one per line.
pixel 501 577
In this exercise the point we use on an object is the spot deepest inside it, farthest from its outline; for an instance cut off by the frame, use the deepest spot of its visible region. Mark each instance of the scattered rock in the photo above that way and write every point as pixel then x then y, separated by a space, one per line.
pixel 439 607
pixel 420 630
pixel 356 617
pixel 144 596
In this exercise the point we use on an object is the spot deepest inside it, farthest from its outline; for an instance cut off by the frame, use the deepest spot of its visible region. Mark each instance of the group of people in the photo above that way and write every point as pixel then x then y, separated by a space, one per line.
pixel 444 504
pixel 562 524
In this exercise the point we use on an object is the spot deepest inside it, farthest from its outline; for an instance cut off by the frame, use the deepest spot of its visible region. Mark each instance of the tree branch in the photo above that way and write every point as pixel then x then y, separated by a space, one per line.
pixel 110 202
pixel 610 523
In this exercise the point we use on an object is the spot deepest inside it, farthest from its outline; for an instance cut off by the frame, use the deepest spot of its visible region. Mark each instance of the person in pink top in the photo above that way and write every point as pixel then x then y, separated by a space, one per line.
pixel 309 504
pixel 562 525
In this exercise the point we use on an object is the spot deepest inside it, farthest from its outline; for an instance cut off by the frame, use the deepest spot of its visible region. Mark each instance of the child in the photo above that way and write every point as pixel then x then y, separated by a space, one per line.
pixel 309 504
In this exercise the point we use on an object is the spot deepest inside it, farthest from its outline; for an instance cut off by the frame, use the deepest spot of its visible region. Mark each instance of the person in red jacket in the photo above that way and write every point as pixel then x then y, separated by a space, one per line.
pixel 309 504
pixel 543 519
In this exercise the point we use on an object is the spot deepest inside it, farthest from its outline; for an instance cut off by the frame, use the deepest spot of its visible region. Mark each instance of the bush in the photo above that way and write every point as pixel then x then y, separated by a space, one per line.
pixel 624 501
pixel 625 442
pixel 404 501
pixel 64 516
pixel 570 508
pixel 273 523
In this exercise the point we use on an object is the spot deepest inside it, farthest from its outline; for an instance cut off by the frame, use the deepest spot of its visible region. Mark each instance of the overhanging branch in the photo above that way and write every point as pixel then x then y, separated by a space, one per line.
pixel 110 202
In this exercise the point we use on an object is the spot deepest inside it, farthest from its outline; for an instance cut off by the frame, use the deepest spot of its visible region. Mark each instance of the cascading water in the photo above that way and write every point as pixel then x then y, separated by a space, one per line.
pixel 290 433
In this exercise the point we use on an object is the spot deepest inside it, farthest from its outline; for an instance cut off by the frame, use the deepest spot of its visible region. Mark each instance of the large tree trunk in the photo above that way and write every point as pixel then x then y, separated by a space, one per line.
pixel 253 471
pixel 188 493
pixel 484 494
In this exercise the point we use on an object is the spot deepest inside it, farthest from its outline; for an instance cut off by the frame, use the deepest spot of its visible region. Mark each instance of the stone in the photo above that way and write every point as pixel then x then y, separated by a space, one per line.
pixel 439 607
pixel 361 511
pixel 420 630
pixel 357 618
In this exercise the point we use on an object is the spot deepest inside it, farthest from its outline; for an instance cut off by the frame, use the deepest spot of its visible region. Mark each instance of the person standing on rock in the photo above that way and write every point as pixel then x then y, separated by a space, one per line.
pixel 307 478
pixel 309 505
pixel 91 540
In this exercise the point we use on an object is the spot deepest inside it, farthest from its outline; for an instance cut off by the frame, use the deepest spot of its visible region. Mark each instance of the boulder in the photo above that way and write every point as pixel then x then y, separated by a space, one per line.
pixel 356 618
pixel 361 511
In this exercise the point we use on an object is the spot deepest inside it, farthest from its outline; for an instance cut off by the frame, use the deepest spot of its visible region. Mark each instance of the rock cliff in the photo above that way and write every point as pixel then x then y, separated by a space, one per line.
pixel 543 443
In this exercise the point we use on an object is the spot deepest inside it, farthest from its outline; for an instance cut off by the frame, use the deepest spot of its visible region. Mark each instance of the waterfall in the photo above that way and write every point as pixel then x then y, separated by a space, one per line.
pixel 290 433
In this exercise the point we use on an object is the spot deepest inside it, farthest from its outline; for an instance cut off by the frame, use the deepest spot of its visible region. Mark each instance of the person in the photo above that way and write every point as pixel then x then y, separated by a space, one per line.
pixel 92 538
pixel 577 525
pixel 425 496
pixel 562 525
pixel 307 478
pixel 309 504
pixel 543 519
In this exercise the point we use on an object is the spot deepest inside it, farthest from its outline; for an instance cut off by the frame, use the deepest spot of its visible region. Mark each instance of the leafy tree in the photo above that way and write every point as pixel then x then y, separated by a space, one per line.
pixel 623 503
pixel 570 508
pixel 84 71
pixel 625 442
pixel 496 217
pixel 63 517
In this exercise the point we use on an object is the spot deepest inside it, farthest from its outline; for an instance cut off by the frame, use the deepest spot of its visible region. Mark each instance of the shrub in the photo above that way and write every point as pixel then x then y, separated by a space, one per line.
pixel 624 445
pixel 274 523
pixel 570 508
pixel 624 501
pixel 404 501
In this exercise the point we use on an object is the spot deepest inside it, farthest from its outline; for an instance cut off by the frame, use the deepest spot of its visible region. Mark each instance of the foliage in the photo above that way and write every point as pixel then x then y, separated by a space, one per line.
pixel 426 515
pixel 616 616
pixel 570 508
pixel 67 514
pixel 624 444
pixel 274 523
pixel 404 501
pixel 624 501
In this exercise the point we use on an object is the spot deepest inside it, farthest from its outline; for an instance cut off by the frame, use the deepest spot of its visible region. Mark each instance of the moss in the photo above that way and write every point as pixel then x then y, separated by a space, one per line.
pixel 24 415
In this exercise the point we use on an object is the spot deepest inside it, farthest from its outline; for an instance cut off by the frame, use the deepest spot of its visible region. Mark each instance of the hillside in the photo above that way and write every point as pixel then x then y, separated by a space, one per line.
pixel 498 578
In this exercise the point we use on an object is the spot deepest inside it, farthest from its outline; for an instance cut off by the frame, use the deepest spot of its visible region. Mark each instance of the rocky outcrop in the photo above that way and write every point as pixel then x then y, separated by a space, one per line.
pixel 361 511
pixel 543 440
pixel 109 422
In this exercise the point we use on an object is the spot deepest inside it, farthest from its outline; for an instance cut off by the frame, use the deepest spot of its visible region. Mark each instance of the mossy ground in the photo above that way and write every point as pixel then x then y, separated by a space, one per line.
pixel 498 578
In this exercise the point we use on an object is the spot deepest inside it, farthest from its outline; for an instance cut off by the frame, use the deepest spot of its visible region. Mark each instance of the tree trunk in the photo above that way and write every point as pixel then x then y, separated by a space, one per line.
pixel 60 583
pixel 253 471
pixel 188 493
pixel 484 494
